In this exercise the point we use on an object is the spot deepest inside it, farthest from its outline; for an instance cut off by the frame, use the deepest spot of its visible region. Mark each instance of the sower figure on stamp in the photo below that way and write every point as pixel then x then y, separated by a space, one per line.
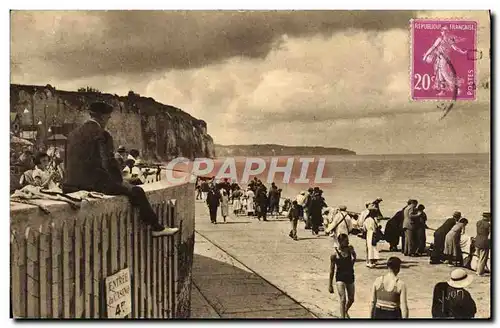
pixel 92 166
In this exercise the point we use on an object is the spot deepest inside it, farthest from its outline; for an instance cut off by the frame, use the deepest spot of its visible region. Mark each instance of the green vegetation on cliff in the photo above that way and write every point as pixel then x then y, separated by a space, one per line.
pixel 277 150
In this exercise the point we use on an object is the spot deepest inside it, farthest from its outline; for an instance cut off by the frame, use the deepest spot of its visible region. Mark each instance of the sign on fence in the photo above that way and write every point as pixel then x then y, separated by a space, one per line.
pixel 118 294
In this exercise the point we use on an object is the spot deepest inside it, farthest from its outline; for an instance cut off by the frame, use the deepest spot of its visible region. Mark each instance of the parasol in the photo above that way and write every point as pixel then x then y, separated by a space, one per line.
pixel 20 141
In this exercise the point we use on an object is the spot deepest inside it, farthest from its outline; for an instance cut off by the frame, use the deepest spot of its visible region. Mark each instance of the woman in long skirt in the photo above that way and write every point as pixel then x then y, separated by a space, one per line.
pixel 237 201
pixel 224 204
pixel 250 202
pixel 452 249
pixel 370 225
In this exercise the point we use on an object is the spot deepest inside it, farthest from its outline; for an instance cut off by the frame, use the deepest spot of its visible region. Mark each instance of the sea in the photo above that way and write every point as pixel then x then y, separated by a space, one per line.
pixel 444 183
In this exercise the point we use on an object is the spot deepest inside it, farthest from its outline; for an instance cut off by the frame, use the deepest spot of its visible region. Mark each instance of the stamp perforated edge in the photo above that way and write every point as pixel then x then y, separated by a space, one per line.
pixel 410 66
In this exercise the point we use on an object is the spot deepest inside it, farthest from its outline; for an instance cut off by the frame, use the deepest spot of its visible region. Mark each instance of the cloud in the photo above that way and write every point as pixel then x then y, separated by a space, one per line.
pixel 148 41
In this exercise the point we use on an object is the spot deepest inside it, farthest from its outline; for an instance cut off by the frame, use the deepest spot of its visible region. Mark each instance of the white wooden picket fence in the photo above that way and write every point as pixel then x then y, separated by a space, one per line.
pixel 58 270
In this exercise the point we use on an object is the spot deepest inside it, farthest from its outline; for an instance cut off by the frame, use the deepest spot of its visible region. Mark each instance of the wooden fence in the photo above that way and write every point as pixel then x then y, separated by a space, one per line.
pixel 58 270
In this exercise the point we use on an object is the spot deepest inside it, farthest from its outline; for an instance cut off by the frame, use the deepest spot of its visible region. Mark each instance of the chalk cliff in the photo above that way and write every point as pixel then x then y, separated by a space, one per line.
pixel 160 131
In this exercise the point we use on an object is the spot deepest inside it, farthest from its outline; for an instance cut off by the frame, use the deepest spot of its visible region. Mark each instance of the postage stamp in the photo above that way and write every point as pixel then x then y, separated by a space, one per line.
pixel 443 59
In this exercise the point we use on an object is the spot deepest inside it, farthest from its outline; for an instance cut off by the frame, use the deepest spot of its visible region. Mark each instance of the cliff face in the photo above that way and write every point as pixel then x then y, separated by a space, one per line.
pixel 159 131
pixel 277 150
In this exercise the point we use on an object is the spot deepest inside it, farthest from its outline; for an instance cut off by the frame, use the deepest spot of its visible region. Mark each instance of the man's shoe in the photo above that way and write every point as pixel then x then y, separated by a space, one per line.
pixel 165 232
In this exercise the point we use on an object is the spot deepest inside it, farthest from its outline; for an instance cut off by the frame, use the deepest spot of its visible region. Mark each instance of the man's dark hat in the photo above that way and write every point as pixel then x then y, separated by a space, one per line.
pixel 457 215
pixel 487 215
pixel 100 108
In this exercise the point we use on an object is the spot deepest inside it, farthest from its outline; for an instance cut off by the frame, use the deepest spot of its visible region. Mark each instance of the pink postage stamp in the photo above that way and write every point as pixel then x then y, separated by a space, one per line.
pixel 443 59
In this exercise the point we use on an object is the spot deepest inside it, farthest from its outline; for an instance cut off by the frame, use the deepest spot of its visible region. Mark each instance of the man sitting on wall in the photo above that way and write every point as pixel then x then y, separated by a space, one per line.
pixel 92 166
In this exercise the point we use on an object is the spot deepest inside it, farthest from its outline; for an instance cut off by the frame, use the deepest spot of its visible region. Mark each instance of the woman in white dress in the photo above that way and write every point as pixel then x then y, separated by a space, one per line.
pixel 370 225
pixel 250 202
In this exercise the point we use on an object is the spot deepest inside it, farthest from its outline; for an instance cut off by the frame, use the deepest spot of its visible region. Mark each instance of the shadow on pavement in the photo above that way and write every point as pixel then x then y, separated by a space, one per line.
pixel 228 291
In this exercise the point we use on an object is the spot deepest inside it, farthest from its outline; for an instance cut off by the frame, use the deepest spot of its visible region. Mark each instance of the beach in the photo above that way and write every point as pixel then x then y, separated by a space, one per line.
pixel 252 269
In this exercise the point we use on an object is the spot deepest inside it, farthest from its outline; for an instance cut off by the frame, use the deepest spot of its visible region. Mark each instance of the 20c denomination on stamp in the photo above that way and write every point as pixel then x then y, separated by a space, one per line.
pixel 443 59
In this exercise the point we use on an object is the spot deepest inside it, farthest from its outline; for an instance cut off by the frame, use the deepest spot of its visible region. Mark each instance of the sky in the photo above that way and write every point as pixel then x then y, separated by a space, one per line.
pixel 315 78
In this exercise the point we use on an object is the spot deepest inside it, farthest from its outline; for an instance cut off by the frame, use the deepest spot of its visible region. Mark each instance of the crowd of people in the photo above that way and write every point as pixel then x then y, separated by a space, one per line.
pixel 406 228
pixel 256 201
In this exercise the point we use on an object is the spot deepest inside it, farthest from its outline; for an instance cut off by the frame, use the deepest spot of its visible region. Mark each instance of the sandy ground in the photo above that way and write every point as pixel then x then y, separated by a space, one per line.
pixel 262 252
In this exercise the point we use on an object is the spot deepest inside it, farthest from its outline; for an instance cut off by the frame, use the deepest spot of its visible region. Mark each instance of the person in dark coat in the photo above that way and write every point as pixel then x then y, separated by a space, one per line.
pixel 307 208
pixel 421 226
pixel 274 199
pixel 91 166
pixel 316 209
pixel 393 230
pixel 437 255
pixel 451 300
pixel 482 242
pixel 213 202
pixel 261 203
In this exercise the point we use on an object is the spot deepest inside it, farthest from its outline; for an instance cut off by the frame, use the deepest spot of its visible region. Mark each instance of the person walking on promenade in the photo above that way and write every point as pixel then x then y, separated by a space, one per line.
pixel 389 299
pixel 198 188
pixel 205 187
pixel 482 242
pixel 340 224
pixel 294 216
pixel 213 202
pixel 317 204
pixel 451 300
pixel 301 200
pixel 92 166
pixel 421 226
pixel 274 200
pixel 262 203
pixel 224 204
pixel 236 195
pixel 437 255
pixel 343 260
pixel 362 216
pixel 452 248
pixel 307 208
pixel 371 227
pixel 250 202
pixel 409 228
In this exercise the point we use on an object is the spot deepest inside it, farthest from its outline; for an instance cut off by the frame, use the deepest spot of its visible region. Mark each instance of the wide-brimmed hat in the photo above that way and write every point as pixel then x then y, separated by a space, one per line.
pixel 343 208
pixel 378 199
pixel 457 215
pixel 121 149
pixel 460 279
pixel 487 215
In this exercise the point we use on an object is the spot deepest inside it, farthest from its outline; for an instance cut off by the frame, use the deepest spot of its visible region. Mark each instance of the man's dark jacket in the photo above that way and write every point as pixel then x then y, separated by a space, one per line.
pixel 91 164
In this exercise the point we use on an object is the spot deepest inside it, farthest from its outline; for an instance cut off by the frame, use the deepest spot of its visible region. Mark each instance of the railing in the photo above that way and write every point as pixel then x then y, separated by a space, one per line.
pixel 59 267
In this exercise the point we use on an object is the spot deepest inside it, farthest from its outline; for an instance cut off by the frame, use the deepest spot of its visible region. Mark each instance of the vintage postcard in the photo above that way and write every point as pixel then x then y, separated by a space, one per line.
pixel 250 164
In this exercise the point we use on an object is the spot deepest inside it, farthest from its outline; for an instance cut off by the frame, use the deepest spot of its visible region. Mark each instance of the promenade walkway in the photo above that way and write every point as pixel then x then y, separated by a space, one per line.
pixel 246 268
